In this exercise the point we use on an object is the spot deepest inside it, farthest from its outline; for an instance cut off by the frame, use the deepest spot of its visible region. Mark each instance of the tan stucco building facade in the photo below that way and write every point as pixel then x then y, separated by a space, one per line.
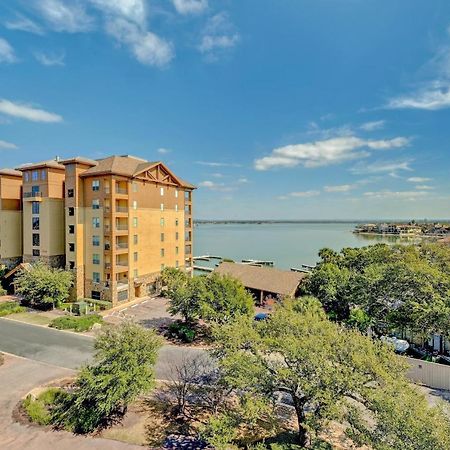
pixel 115 222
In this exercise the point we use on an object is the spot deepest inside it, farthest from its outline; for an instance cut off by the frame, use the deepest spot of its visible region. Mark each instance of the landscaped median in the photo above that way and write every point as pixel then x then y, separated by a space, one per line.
pixel 79 324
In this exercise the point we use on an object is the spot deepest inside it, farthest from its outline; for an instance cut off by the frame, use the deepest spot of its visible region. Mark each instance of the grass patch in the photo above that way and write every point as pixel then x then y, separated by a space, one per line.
pixel 33 318
pixel 39 409
pixel 79 324
pixel 7 308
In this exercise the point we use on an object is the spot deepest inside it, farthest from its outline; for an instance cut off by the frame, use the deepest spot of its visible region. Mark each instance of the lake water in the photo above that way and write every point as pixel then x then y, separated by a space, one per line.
pixel 287 244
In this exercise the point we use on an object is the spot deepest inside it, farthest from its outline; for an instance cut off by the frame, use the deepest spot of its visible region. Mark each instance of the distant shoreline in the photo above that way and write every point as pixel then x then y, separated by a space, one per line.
pixel 268 222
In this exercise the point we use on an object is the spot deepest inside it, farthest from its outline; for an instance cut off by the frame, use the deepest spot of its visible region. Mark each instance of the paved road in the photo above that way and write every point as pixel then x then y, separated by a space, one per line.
pixel 69 350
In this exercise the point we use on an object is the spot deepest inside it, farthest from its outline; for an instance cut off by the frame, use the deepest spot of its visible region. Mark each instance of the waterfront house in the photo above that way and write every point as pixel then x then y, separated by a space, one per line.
pixel 264 283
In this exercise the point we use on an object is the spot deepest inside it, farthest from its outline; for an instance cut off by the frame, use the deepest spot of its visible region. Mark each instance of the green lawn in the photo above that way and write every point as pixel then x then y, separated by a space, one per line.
pixel 33 318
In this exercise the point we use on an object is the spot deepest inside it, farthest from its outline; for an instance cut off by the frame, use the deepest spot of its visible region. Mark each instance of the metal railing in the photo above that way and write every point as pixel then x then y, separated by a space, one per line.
pixel 121 209
pixel 32 194
pixel 121 190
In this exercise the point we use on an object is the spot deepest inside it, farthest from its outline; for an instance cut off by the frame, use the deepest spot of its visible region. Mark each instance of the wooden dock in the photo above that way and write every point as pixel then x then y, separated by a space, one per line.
pixel 204 268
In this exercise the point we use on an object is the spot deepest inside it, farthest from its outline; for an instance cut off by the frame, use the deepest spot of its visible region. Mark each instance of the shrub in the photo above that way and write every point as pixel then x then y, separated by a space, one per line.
pixel 2 291
pixel 39 409
pixel 79 324
pixel 7 308
pixel 182 331
pixel 100 304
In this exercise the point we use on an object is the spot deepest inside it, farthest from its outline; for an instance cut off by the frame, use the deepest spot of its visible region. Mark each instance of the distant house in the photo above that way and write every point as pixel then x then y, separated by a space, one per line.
pixel 264 283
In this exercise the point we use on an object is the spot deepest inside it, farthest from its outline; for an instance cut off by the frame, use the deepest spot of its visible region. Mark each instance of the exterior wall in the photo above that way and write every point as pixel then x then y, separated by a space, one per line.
pixel 10 234
pixel 433 375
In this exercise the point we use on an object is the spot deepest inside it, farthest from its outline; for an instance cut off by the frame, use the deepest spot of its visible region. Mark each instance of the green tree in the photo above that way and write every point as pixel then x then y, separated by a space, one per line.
pixel 42 286
pixel 124 364
pixel 324 368
pixel 224 298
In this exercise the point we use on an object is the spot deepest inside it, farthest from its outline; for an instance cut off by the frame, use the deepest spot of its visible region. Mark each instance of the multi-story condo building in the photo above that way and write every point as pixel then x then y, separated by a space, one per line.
pixel 115 222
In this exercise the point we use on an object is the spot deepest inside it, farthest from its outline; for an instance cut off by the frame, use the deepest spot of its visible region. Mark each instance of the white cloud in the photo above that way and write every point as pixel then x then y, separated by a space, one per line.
pixel 325 152
pixel 407 195
pixel 23 23
pixel 304 194
pixel 339 188
pixel 390 167
pixel 433 96
pixel 49 59
pixel 424 187
pixel 218 35
pixel 6 52
pixel 163 150
pixel 65 16
pixel 7 145
pixel 242 180
pixel 432 93
pixel 147 47
pixel 190 6
pixel 28 112
pixel 133 10
pixel 418 179
pixel 217 164
pixel 372 126
pixel 211 185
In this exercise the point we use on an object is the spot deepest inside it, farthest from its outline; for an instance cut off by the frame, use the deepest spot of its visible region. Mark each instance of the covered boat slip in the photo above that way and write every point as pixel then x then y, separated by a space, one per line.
pixel 265 283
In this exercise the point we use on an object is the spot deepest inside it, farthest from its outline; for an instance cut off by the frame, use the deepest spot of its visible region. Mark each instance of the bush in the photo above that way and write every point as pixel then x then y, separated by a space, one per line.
pixel 79 324
pixel 7 308
pixel 2 291
pixel 100 304
pixel 182 331
pixel 39 409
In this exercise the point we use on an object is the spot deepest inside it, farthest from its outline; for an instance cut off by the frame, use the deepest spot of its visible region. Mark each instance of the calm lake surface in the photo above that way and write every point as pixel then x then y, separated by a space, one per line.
pixel 287 244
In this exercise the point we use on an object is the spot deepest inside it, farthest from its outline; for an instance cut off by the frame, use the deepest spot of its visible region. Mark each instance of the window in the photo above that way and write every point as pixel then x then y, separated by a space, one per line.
pixel 162 237
pixel 26 176
pixel 162 206
pixel 71 247
pixel 96 204
pixel 71 211
pixel 36 240
pixel 135 239
pixel 135 186
pixel 35 207
pixel 176 250
pixel 135 273
pixel 162 253
pixel 96 241
pixel 176 208
pixel 35 175
pixel 106 184
pixel 43 174
pixel 71 229
pixel 176 235
pixel 95 258
pixel 96 222
pixel 135 256
pixel 134 204
pixel 96 277
pixel 162 267
pixel 36 252
pixel 95 185
pixel 95 295
pixel 176 193
pixel 135 222
pixel 71 264
pixel 161 221
pixel 35 223
pixel 177 264
pixel 162 191
pixel 70 193
pixel 176 222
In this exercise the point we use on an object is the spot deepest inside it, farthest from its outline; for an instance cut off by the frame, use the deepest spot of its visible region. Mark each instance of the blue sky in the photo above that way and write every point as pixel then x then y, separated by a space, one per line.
pixel 296 109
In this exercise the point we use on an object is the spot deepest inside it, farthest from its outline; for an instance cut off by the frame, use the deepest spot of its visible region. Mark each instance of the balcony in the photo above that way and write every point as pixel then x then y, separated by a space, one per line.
pixel 108 266
pixel 32 196
pixel 122 247
pixel 121 266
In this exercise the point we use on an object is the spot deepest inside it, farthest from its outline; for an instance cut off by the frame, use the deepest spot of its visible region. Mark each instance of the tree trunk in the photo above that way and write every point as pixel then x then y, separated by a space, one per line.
pixel 299 406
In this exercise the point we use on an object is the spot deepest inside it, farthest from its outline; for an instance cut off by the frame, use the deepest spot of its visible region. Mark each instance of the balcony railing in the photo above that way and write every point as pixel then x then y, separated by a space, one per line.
pixel 122 191
pixel 32 194
pixel 122 227
pixel 121 246
pixel 121 209
pixel 107 266
pixel 122 263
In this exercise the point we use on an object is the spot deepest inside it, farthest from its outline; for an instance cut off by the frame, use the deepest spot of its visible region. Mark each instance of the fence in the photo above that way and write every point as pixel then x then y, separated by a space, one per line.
pixel 433 375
